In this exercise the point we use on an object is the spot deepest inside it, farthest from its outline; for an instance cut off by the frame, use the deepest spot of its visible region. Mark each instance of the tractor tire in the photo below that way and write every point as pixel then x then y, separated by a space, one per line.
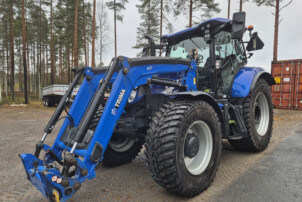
pixel 120 150
pixel 258 117
pixel 183 147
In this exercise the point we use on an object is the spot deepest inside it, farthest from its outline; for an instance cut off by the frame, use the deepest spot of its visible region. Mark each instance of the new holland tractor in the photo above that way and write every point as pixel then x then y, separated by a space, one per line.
pixel 179 105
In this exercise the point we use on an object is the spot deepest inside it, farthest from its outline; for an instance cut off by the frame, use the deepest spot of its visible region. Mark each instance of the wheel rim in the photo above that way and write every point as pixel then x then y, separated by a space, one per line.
pixel 121 144
pixel 197 164
pixel 261 114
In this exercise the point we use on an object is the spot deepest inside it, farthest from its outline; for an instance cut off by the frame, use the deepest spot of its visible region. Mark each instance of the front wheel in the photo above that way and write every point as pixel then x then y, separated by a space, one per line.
pixel 121 149
pixel 183 147
pixel 258 118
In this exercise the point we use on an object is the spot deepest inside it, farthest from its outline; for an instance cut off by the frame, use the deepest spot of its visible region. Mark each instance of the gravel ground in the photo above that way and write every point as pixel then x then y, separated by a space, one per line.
pixel 276 177
pixel 22 127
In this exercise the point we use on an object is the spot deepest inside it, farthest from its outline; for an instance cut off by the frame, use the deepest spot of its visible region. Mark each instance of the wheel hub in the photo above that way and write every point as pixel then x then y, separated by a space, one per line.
pixel 191 145
pixel 120 143
pixel 198 146
pixel 257 113
pixel 261 114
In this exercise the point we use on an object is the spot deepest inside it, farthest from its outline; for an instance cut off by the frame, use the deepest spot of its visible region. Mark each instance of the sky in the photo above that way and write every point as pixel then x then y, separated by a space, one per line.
pixel 290 30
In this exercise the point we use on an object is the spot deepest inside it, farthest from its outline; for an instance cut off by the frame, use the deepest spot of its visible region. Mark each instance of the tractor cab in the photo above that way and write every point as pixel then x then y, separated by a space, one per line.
pixel 229 56
pixel 218 49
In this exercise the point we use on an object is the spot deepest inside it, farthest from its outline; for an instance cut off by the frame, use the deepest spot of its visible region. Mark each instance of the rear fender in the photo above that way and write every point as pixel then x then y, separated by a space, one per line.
pixel 247 78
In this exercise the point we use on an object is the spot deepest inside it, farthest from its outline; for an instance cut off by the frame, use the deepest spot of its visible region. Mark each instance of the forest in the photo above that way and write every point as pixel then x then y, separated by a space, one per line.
pixel 42 40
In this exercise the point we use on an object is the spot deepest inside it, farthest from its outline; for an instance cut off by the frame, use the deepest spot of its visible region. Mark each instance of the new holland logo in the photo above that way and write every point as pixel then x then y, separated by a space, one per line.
pixel 120 98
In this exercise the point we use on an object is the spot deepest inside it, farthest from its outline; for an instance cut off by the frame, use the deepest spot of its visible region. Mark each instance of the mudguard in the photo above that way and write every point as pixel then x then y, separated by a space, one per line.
pixel 246 79
pixel 207 97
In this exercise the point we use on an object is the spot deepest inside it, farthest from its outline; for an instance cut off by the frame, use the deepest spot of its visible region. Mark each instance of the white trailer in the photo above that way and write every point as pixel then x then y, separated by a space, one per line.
pixel 52 94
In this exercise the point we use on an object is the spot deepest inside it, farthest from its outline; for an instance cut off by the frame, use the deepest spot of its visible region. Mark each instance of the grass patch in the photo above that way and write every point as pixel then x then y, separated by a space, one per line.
pixel 19 99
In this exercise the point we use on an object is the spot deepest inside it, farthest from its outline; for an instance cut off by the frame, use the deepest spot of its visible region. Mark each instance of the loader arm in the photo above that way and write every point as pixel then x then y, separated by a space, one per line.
pixel 67 164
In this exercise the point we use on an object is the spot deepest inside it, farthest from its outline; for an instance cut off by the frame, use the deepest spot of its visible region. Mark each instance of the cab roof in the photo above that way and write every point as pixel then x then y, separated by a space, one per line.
pixel 211 24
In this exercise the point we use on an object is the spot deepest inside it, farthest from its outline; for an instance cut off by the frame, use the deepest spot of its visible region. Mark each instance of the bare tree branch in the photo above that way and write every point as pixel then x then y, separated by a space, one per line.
pixel 286 5
pixel 280 20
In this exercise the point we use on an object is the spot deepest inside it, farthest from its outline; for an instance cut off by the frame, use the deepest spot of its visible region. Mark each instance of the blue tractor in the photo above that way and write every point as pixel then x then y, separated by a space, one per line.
pixel 179 106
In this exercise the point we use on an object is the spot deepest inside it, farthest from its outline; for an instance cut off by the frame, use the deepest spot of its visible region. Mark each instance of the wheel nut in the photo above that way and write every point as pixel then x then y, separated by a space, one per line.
pixel 125 70
pixel 77 186
pixel 84 172
pixel 68 191
pixel 65 182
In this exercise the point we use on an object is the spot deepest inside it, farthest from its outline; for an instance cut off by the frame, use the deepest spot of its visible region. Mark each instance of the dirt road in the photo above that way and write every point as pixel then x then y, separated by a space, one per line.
pixel 21 128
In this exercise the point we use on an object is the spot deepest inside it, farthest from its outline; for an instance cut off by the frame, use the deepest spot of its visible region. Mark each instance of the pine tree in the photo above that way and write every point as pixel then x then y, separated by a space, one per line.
pixel 165 8
pixel 45 30
pixel 194 8
pixel 117 6
pixel 84 31
pixel 229 8
pixel 75 45
pixel 12 38
pixel 103 25
pixel 276 4
pixel 53 72
pixel 241 4
pixel 24 54
pixel 150 24
pixel 93 36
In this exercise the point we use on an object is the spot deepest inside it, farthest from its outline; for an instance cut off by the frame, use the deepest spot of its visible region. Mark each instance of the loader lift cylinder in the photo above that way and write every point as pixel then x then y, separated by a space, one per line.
pixel 60 107
pixel 93 106
pixel 55 117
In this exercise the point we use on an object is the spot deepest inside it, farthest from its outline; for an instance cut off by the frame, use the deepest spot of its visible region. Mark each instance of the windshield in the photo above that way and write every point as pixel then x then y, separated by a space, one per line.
pixel 183 49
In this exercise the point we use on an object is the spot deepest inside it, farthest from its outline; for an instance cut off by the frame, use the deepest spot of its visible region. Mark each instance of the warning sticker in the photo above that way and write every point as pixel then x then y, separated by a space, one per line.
pixel 59 180
pixel 54 178
pixel 278 79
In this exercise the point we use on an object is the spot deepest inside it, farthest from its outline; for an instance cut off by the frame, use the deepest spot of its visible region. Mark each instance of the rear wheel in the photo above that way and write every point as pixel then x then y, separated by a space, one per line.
pixel 121 149
pixel 183 147
pixel 258 118
pixel 46 101
pixel 50 102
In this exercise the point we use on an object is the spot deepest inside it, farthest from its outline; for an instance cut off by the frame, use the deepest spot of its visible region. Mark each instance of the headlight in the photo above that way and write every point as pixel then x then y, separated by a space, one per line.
pixel 132 96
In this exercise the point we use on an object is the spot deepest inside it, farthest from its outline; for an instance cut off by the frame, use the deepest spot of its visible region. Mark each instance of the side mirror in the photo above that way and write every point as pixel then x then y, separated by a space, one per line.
pixel 255 43
pixel 238 25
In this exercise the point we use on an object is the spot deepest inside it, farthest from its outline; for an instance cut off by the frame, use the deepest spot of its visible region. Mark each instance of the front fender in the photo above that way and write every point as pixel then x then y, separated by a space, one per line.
pixel 246 79
pixel 200 95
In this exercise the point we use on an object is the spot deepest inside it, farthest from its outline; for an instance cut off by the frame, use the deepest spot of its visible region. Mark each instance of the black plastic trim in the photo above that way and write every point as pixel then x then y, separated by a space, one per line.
pixel 265 75
pixel 157 60
pixel 96 153
pixel 99 70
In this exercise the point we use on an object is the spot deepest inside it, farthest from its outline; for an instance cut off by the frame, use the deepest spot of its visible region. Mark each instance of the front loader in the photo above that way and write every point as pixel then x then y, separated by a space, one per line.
pixel 179 106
